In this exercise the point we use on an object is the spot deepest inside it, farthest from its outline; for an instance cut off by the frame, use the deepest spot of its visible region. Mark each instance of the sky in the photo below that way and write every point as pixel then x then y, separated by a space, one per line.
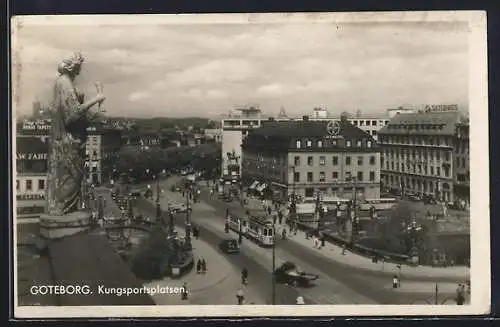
pixel 205 69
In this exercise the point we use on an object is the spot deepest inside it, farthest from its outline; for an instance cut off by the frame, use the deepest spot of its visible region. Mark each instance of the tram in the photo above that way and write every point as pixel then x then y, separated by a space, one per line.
pixel 257 228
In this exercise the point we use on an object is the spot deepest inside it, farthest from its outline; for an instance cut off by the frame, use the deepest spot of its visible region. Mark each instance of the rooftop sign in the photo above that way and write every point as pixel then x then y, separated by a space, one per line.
pixel 441 108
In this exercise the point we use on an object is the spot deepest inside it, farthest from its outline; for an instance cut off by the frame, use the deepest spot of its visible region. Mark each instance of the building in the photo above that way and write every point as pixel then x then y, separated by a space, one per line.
pixel 418 152
pixel 369 124
pixel 399 110
pixel 461 169
pixel 235 128
pixel 308 157
pixel 30 176
pixel 214 134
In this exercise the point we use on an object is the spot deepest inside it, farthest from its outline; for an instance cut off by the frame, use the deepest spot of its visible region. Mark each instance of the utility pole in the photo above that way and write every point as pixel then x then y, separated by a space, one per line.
pixel 274 267
pixel 188 214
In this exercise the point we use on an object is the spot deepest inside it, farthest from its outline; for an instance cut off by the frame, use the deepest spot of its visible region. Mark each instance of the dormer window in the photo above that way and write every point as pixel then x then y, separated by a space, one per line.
pixel 369 144
pixel 358 143
pixel 309 143
pixel 298 144
pixel 348 143
pixel 320 144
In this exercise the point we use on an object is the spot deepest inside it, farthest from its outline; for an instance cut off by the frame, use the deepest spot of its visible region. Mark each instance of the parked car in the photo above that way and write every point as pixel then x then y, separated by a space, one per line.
pixel 288 273
pixel 178 207
pixel 229 246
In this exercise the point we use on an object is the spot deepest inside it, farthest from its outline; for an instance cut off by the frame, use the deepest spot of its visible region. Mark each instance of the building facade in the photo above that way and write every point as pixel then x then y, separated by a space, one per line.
pixel 308 158
pixel 30 176
pixel 418 152
pixel 461 168
pixel 235 128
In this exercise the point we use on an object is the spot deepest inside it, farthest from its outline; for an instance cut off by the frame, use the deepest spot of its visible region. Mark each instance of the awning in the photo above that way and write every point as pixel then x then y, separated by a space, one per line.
pixel 254 185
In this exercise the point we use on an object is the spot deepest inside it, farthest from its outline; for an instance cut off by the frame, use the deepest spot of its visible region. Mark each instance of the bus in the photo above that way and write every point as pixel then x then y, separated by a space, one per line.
pixel 378 204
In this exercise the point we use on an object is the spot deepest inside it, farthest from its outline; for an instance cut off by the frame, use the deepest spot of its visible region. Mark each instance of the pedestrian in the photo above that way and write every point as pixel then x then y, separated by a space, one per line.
pixel 240 295
pixel 184 292
pixel 244 276
pixel 198 266
pixel 395 281
pixel 460 295
pixel 280 217
pixel 343 249
pixel 283 234
pixel 203 266
pixel 269 210
pixel 322 240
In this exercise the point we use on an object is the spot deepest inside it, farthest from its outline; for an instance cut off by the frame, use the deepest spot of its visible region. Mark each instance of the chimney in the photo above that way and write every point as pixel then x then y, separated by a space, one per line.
pixel 305 118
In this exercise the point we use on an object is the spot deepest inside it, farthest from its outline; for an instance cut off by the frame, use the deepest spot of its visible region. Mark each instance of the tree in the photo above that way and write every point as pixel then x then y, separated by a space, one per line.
pixel 345 115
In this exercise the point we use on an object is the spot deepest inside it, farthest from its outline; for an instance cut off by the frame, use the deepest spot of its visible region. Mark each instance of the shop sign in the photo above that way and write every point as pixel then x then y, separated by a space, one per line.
pixel 30 196
pixel 32 156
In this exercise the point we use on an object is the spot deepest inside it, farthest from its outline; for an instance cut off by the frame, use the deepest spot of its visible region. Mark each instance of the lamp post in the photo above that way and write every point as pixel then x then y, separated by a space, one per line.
pixel 413 229
pixel 353 211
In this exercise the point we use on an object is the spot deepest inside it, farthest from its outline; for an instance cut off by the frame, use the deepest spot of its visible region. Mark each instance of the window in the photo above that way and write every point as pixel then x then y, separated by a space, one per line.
pixel 320 144
pixel 447 156
pixel 41 184
pixel 309 176
pixel 335 175
pixel 360 176
pixel 358 143
pixel 333 142
pixel 296 177
pixel 298 144
pixel 369 143
pixel 17 184
pixel 372 160
pixel 347 161
pixel 367 123
pixel 464 164
pixel 374 123
pixel 372 176
pixel 360 161
pixel 321 176
pixel 432 170
pixel 310 160
pixel 309 143
pixel 355 122
pixel 322 160
pixel 296 160
pixel 335 160
pixel 348 143
pixel 438 171
pixel 361 123
pixel 29 185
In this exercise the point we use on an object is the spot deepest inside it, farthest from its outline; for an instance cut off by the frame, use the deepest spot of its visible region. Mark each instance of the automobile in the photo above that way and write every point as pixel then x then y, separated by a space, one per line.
pixel 227 198
pixel 229 246
pixel 289 273
pixel 178 207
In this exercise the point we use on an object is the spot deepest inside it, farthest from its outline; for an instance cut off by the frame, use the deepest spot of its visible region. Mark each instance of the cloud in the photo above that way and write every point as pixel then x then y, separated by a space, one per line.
pixel 175 69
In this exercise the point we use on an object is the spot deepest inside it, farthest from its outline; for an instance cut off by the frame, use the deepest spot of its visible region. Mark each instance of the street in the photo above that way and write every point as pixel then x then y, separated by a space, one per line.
pixel 339 283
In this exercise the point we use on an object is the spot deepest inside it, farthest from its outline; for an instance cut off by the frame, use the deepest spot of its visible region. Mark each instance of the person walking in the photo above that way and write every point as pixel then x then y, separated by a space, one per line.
pixel 460 297
pixel 395 282
pixel 198 266
pixel 240 296
pixel 244 276
pixel 322 240
pixel 203 266
pixel 184 292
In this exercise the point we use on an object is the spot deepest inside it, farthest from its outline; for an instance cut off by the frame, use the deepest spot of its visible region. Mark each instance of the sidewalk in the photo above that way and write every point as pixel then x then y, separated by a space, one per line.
pixel 215 287
pixel 334 252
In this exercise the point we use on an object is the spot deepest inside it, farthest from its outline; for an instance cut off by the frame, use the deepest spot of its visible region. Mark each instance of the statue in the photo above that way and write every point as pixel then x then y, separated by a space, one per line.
pixel 66 157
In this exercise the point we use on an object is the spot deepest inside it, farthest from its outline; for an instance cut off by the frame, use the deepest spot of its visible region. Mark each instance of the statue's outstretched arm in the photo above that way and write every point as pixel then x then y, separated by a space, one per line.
pixel 82 109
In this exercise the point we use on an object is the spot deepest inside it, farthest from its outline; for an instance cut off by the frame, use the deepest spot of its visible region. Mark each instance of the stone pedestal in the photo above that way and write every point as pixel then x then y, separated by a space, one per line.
pixel 55 227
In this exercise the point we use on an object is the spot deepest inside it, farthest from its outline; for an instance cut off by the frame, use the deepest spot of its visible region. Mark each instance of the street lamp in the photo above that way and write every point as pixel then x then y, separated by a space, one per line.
pixel 353 210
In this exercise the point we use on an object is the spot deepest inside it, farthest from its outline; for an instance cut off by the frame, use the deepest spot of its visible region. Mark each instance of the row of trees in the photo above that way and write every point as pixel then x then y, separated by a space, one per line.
pixel 143 165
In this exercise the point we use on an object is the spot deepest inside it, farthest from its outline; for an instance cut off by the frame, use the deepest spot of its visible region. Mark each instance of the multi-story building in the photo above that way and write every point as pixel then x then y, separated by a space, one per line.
pixel 235 128
pixel 31 175
pixel 418 153
pixel 312 157
pixel 369 124
pixel 461 168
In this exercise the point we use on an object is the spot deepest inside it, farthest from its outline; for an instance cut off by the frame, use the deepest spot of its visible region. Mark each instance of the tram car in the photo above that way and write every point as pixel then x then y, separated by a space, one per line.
pixel 261 230
pixel 257 228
